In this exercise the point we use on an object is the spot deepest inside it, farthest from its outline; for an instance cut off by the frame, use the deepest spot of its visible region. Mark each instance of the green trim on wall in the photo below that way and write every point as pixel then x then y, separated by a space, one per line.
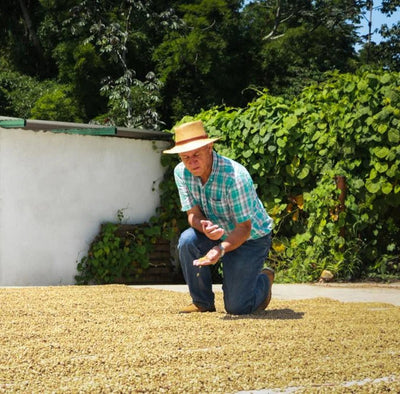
pixel 83 129
pixel 94 131
pixel 12 123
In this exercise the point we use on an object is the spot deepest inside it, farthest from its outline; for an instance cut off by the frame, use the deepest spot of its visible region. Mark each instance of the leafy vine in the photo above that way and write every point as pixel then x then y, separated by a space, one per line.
pixel 348 126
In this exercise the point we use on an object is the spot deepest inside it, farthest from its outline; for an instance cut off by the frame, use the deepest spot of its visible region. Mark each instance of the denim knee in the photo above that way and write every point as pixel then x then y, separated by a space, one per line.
pixel 188 248
pixel 236 308
pixel 186 238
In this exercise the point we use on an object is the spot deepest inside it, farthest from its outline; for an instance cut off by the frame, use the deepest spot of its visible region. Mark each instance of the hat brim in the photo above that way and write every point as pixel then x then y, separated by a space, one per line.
pixel 189 146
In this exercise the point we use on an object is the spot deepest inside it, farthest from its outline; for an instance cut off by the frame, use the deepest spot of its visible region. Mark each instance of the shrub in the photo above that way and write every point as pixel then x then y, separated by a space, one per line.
pixel 18 93
pixel 345 128
pixel 117 255
pixel 58 104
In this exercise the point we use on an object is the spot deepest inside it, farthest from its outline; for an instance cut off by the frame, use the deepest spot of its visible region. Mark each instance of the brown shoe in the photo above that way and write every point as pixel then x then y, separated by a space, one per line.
pixel 194 308
pixel 271 275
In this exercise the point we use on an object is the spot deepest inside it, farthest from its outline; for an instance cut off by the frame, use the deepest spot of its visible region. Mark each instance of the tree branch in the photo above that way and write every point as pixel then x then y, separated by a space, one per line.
pixel 276 21
pixel 29 25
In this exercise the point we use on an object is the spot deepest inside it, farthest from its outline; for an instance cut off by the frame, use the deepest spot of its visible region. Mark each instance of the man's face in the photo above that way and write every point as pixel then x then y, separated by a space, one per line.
pixel 198 161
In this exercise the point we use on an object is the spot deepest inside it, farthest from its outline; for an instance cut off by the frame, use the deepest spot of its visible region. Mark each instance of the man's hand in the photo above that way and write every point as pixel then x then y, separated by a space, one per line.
pixel 211 230
pixel 210 258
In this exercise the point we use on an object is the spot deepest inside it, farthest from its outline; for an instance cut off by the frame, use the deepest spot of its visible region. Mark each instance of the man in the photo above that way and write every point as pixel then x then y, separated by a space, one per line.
pixel 227 222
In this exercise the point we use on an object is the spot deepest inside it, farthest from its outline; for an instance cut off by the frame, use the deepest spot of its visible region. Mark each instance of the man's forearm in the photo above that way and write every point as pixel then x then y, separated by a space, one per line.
pixel 194 220
pixel 237 237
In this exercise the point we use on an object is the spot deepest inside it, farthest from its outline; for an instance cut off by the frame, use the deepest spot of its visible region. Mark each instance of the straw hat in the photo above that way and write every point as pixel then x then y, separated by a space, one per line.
pixel 190 136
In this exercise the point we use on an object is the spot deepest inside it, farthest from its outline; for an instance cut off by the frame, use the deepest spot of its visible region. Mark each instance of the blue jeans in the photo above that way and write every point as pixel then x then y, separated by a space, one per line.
pixel 243 286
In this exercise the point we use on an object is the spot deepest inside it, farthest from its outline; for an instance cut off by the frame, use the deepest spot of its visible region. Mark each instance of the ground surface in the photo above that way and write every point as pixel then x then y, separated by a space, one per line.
pixel 122 339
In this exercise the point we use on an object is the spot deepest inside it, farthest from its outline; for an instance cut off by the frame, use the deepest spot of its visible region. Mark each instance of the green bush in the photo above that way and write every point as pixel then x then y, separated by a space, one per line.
pixel 58 104
pixel 297 152
pixel 117 256
pixel 18 93
pixel 345 127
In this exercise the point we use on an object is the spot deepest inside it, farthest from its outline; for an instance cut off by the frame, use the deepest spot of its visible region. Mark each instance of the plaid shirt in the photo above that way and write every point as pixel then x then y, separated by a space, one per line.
pixel 228 197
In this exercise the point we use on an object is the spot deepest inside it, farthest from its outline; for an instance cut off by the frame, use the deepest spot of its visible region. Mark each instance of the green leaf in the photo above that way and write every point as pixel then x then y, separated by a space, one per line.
pixel 290 170
pixel 364 217
pixel 290 121
pixel 382 128
pixel 316 135
pixel 385 78
pixel 303 173
pixel 394 136
pixel 387 188
pixel 358 184
pixel 98 253
pixel 349 87
pixel 381 167
pixel 362 84
pixel 381 152
pixel 281 142
pixel 392 171
pixel 372 187
pixel 247 153
pixel 323 139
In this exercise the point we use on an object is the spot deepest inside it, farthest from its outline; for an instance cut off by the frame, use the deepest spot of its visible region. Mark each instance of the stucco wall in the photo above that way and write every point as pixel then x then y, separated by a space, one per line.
pixel 56 190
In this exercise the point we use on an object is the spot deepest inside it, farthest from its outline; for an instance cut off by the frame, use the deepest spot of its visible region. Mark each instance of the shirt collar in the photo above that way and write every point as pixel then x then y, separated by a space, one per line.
pixel 214 167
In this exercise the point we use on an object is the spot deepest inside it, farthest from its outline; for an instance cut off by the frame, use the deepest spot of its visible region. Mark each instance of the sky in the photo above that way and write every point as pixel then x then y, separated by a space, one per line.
pixel 378 19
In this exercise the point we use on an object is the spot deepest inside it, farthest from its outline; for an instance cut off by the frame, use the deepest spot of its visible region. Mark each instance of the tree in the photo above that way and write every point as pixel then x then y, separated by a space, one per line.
pixel 57 104
pixel 385 54
pixel 117 30
pixel 19 37
pixel 147 64
pixel 81 67
pixel 202 64
pixel 19 92
pixel 389 49
pixel 295 42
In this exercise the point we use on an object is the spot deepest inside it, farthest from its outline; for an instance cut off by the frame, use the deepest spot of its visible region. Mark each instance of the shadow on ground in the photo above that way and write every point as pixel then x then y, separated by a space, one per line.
pixel 270 314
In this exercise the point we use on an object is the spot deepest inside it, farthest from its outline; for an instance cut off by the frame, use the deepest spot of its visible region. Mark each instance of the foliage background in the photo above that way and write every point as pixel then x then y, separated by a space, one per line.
pixel 295 149
pixel 148 64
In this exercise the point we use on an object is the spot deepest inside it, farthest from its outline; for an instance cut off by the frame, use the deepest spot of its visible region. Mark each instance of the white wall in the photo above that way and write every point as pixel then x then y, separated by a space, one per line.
pixel 56 190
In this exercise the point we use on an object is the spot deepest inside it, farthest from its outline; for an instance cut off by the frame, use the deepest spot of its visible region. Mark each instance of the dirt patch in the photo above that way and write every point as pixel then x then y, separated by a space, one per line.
pixel 121 339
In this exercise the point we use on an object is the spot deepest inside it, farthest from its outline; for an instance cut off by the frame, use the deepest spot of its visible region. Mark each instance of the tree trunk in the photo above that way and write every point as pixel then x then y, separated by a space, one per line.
pixel 29 25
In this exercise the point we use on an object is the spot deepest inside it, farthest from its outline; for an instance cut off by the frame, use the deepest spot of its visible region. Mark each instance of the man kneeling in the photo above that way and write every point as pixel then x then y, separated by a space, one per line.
pixel 227 222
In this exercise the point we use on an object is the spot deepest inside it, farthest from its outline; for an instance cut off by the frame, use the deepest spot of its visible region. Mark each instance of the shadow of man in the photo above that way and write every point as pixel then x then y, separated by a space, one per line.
pixel 270 314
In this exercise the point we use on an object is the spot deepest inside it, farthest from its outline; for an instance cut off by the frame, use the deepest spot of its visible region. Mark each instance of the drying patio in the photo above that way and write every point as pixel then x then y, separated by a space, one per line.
pixel 126 339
